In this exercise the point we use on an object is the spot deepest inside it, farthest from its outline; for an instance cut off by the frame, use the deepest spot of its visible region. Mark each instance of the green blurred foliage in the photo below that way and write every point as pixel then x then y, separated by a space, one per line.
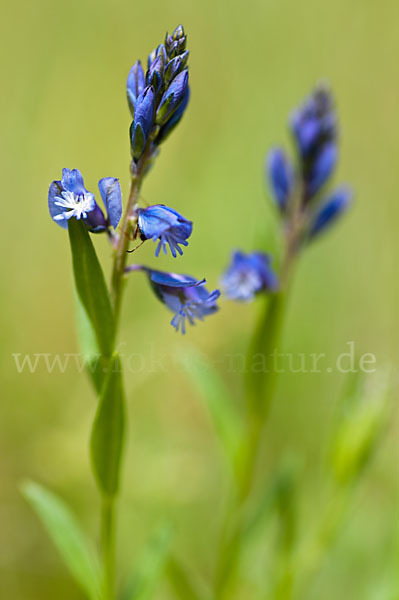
pixel 63 104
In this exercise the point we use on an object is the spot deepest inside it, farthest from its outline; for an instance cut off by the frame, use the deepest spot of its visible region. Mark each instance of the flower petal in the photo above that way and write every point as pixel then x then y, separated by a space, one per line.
pixel 72 181
pixel 110 190
pixel 54 210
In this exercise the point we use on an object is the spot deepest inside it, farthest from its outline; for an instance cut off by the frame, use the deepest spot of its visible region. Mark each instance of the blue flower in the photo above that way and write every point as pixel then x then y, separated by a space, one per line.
pixel 69 198
pixel 329 211
pixel 186 296
pixel 281 177
pixel 247 275
pixel 167 225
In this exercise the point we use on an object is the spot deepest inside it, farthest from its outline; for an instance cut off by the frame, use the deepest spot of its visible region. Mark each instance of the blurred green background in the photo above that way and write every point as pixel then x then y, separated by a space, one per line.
pixel 63 105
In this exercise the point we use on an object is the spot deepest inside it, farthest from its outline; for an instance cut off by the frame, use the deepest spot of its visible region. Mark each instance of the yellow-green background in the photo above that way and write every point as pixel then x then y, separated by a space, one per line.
pixel 63 105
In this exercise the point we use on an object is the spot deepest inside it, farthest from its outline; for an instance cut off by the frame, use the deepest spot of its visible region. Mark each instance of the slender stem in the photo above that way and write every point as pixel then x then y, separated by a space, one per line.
pixel 260 386
pixel 117 287
pixel 108 546
pixel 118 272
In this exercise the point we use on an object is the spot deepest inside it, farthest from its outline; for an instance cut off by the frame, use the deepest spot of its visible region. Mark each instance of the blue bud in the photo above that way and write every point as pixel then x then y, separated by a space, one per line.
pixel 176 43
pixel 314 123
pixel 281 177
pixel 247 275
pixel 172 98
pixel 175 118
pixel 321 169
pixel 143 121
pixel 160 51
pixel 329 211
pixel 178 33
pixel 172 69
pixel 154 75
pixel 134 85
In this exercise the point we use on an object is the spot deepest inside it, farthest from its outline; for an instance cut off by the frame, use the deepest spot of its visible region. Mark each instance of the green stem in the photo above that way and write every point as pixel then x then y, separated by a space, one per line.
pixel 117 287
pixel 108 546
pixel 261 378
pixel 118 272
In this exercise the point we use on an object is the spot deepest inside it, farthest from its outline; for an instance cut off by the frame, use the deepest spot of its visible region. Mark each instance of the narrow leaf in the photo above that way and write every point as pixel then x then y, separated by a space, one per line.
pixel 217 398
pixel 278 493
pixel 182 582
pixel 96 364
pixel 66 534
pixel 151 565
pixel 108 430
pixel 90 285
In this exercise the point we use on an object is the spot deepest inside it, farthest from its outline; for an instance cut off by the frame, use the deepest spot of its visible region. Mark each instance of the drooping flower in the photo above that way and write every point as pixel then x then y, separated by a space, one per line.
pixel 331 208
pixel 247 275
pixel 159 222
pixel 186 296
pixel 68 198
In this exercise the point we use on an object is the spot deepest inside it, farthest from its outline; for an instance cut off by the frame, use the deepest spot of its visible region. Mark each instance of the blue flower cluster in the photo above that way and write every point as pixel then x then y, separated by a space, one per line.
pixel 301 189
pixel 157 101
pixel 158 98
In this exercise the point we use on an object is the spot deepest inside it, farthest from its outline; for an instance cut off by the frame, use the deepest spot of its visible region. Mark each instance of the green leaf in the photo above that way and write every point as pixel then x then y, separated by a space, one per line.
pixel 182 582
pixel 66 534
pixel 90 286
pixel 96 364
pixel 108 430
pixel 151 565
pixel 217 398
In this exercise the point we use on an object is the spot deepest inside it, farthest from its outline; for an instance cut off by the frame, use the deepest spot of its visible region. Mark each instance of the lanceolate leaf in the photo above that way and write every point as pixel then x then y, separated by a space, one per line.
pixel 91 286
pixel 219 403
pixel 96 363
pixel 108 430
pixel 66 534
pixel 150 567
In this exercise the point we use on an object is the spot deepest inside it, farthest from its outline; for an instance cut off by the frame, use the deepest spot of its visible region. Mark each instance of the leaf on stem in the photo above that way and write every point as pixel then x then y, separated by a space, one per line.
pixel 217 398
pixel 107 435
pixel 151 565
pixel 65 531
pixel 91 287
pixel 95 363
pixel 182 582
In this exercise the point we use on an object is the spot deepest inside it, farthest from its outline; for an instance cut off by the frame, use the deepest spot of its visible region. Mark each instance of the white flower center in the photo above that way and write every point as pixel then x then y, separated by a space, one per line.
pixel 75 205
